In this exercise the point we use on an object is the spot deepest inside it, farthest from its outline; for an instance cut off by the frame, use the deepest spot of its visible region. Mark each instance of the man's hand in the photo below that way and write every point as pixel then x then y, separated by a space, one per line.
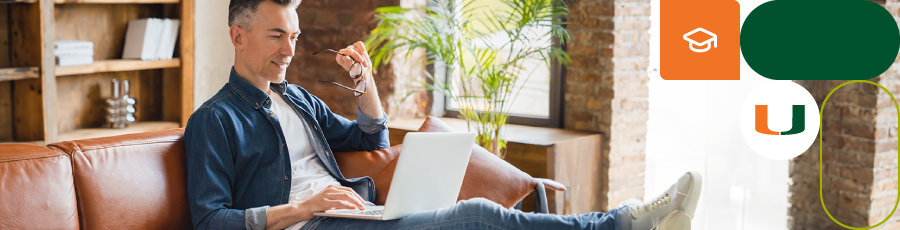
pixel 369 103
pixel 333 197
pixel 358 52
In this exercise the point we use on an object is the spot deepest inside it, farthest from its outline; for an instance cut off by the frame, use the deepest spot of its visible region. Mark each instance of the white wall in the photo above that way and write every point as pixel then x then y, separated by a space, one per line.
pixel 693 125
pixel 213 52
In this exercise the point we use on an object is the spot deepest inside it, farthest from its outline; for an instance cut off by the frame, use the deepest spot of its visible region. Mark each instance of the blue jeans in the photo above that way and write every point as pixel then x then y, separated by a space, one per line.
pixel 480 213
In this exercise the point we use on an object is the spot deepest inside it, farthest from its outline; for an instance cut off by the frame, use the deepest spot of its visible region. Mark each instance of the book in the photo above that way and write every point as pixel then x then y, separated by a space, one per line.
pixel 74 52
pixel 165 29
pixel 173 37
pixel 74 60
pixel 142 38
pixel 166 47
pixel 151 39
pixel 134 38
pixel 152 45
pixel 72 44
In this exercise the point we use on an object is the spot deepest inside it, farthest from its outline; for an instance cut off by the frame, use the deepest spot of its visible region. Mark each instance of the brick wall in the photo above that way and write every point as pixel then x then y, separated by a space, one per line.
pixel 335 24
pixel 606 88
pixel 884 171
pixel 859 156
pixel 847 157
pixel 884 187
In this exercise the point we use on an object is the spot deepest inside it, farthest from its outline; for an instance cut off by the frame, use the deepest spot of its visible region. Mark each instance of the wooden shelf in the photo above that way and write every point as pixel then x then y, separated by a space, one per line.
pixel 99 1
pixel 117 65
pixel 17 1
pixel 10 74
pixel 115 1
pixel 137 127
pixel 514 133
pixel 39 143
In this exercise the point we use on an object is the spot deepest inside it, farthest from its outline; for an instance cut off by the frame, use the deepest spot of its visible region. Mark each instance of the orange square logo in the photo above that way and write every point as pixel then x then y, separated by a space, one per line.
pixel 700 40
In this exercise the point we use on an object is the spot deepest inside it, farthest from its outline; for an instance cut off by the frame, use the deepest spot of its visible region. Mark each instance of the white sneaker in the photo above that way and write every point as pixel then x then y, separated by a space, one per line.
pixel 677 220
pixel 630 202
pixel 682 196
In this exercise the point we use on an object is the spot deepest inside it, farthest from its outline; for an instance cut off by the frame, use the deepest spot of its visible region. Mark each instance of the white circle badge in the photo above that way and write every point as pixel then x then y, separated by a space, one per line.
pixel 780 120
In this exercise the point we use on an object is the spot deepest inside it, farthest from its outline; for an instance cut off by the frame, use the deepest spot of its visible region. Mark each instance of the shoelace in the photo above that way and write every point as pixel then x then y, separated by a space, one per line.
pixel 654 203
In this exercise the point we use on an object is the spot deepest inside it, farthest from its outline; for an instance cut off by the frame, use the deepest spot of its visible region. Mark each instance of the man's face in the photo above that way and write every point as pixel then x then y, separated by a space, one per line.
pixel 269 46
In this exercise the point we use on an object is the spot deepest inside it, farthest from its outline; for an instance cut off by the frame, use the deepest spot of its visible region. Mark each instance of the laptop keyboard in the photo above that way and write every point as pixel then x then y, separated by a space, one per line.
pixel 370 210
pixel 372 213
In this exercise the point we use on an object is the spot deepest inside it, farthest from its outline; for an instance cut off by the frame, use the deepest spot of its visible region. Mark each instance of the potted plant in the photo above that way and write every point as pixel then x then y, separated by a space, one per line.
pixel 483 48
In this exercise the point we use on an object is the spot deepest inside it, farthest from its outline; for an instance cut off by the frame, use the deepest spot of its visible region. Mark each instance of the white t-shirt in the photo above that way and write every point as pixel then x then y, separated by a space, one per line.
pixel 308 173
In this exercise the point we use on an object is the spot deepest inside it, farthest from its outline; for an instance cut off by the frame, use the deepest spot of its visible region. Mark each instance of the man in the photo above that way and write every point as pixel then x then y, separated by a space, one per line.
pixel 260 152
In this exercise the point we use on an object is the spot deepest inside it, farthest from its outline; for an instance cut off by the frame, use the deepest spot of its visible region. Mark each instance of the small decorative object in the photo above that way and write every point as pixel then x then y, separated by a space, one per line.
pixel 119 108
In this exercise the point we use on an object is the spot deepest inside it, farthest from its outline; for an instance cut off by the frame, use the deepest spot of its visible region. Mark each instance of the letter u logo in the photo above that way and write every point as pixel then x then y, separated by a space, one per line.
pixel 798 120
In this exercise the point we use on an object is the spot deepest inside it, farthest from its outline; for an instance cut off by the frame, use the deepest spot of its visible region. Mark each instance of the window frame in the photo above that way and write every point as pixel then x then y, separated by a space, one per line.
pixel 554 119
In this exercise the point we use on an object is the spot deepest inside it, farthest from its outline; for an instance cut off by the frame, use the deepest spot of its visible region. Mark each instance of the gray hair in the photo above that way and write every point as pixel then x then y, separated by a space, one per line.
pixel 241 12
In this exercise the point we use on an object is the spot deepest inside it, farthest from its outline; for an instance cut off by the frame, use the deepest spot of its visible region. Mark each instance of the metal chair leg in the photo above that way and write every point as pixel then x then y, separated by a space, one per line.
pixel 540 199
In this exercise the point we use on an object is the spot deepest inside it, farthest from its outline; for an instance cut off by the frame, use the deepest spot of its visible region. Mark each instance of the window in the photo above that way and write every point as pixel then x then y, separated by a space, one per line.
pixel 537 94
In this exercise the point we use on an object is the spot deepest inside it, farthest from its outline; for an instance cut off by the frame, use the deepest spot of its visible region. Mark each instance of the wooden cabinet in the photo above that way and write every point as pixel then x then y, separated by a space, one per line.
pixel 570 157
pixel 42 103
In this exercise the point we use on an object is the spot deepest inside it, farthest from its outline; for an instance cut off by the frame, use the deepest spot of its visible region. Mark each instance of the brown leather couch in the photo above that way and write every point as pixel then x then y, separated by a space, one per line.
pixel 137 181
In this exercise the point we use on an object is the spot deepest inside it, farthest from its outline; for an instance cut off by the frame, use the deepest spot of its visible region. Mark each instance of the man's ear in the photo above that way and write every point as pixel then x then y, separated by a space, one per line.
pixel 237 36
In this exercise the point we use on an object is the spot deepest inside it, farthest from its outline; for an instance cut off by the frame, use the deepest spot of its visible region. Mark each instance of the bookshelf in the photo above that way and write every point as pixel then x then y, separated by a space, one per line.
pixel 43 103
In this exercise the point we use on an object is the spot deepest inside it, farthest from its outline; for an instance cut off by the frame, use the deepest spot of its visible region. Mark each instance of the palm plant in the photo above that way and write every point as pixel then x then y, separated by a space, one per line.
pixel 484 50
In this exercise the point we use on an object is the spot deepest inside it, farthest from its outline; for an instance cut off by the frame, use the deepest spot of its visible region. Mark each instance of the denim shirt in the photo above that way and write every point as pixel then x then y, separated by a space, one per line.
pixel 237 160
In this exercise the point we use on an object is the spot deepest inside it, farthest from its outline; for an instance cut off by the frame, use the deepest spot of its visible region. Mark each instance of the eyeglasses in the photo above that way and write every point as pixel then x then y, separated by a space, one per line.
pixel 355 72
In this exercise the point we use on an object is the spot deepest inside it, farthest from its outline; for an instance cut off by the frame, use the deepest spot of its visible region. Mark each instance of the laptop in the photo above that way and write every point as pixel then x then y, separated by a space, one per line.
pixel 428 176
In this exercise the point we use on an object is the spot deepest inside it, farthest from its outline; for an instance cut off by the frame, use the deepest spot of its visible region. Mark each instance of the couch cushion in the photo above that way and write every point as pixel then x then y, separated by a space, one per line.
pixel 36 188
pixel 486 176
pixel 134 181
pixel 371 164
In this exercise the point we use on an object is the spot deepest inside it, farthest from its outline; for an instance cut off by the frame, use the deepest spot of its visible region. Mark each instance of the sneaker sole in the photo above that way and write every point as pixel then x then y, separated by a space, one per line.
pixel 677 220
pixel 697 186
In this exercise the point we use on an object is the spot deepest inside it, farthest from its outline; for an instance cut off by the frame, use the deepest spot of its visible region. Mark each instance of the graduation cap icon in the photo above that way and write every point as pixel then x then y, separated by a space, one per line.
pixel 691 42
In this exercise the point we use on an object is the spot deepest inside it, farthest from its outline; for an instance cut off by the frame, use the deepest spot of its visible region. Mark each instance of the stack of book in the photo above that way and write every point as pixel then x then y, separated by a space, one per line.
pixel 151 39
pixel 71 52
